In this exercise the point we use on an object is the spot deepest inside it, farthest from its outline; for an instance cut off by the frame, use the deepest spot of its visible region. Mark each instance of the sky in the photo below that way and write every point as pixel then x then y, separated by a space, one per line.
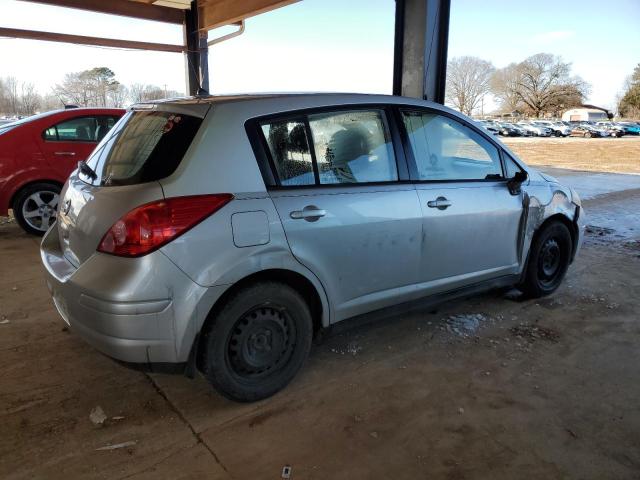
pixel 332 45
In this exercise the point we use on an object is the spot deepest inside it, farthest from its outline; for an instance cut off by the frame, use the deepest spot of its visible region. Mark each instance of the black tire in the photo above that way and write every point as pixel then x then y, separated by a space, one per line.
pixel 257 342
pixel 549 259
pixel 24 205
pixel 557 133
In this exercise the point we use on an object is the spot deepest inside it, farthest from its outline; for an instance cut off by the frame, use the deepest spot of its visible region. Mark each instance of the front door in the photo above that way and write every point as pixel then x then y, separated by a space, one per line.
pixel 70 141
pixel 471 220
pixel 346 215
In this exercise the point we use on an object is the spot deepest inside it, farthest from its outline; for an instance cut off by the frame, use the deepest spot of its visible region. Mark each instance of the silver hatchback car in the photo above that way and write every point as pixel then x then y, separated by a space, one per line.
pixel 221 233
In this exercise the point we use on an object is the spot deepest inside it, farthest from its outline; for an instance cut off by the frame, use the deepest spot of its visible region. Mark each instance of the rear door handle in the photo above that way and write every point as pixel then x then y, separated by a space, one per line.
pixel 310 213
pixel 441 203
pixel 65 154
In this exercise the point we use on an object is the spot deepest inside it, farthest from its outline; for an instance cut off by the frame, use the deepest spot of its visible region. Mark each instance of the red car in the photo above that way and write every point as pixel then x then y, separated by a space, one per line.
pixel 38 153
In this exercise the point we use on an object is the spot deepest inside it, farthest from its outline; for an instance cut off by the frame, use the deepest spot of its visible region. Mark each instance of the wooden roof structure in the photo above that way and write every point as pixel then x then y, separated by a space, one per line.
pixel 208 14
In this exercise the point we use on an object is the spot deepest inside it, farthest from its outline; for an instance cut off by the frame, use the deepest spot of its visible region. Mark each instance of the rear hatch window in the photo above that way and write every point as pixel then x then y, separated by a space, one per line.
pixel 144 146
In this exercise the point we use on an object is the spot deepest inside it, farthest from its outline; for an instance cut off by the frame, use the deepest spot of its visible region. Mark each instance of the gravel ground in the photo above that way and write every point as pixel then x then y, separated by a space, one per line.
pixel 493 387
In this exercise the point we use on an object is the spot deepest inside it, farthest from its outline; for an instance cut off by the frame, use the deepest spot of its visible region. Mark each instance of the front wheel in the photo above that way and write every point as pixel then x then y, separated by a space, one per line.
pixel 549 259
pixel 257 342
pixel 35 207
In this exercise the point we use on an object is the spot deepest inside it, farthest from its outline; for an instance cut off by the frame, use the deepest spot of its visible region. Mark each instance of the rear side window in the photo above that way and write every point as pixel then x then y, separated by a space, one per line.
pixel 147 146
pixel 331 148
pixel 289 149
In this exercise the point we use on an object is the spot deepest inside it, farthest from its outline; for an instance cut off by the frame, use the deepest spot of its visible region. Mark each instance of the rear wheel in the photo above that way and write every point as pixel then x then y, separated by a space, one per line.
pixel 549 260
pixel 35 207
pixel 257 342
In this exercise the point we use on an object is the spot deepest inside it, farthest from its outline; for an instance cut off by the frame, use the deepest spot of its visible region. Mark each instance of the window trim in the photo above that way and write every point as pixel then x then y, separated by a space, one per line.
pixel 413 165
pixel 55 125
pixel 266 164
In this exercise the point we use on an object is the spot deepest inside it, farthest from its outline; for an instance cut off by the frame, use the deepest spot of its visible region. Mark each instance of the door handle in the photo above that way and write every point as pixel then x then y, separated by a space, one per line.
pixel 65 154
pixel 310 213
pixel 441 203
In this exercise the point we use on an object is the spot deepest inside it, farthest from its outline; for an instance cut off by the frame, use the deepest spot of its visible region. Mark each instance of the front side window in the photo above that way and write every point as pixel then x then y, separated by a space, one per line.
pixel 445 149
pixel 511 167
pixel 331 148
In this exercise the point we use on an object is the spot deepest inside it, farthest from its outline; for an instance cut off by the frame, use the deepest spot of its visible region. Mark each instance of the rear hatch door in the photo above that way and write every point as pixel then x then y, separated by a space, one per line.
pixel 123 172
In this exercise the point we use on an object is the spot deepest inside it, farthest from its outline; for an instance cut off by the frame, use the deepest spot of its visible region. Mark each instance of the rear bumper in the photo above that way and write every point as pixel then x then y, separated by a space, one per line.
pixel 136 310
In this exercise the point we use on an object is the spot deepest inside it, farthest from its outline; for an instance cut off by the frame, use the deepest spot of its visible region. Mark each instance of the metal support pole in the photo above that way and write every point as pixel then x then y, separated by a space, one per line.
pixel 197 54
pixel 421 42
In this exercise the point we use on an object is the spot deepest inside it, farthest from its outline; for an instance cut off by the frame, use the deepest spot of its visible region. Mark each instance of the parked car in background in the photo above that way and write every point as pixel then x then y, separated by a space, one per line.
pixel 612 129
pixel 557 128
pixel 219 233
pixel 38 153
pixel 536 130
pixel 490 127
pixel 507 130
pixel 630 128
pixel 585 131
pixel 601 131
pixel 522 132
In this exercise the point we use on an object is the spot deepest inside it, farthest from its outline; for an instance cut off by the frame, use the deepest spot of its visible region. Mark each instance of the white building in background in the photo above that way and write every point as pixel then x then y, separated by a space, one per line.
pixel 584 115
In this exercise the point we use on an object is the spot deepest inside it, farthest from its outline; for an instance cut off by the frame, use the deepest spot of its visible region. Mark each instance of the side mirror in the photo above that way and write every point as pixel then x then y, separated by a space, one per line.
pixel 516 181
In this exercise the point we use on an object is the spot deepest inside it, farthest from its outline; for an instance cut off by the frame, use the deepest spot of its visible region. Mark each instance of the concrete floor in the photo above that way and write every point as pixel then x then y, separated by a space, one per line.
pixel 491 387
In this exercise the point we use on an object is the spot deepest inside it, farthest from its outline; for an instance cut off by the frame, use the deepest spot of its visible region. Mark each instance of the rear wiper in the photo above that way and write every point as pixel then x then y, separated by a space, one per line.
pixel 87 170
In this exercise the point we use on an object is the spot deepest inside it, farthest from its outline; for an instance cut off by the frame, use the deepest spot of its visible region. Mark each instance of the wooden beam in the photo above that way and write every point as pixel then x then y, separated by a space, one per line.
pixel 216 13
pixel 82 40
pixel 124 8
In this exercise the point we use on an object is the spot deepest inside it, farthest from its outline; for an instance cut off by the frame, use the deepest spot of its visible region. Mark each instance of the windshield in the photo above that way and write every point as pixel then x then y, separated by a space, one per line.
pixel 142 147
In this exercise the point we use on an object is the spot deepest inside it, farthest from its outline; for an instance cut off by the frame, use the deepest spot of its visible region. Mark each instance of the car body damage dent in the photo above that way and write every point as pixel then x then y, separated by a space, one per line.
pixel 539 204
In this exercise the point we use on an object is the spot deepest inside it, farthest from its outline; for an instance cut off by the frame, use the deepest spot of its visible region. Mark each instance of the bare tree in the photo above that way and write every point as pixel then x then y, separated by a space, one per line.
pixel 30 99
pixel 12 96
pixel 118 96
pixel 467 82
pixel 629 102
pixel 504 86
pixel 541 83
pixel 50 102
pixel 139 92
pixel 88 88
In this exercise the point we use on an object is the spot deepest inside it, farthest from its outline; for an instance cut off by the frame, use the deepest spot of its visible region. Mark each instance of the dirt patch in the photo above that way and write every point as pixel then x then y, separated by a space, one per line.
pixel 480 388
pixel 611 155
pixel 535 332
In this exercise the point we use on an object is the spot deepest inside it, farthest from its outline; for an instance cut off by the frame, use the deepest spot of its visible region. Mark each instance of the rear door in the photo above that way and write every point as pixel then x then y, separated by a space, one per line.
pixel 470 219
pixel 347 213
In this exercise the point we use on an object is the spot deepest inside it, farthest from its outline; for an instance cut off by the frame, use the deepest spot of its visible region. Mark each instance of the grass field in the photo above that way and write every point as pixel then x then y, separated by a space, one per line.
pixel 616 155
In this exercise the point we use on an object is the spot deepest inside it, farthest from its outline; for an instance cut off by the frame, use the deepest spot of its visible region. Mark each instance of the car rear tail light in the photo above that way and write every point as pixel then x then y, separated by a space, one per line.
pixel 150 226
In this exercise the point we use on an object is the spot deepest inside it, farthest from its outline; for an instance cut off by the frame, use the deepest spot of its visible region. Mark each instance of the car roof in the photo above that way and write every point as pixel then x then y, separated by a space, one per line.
pixel 321 98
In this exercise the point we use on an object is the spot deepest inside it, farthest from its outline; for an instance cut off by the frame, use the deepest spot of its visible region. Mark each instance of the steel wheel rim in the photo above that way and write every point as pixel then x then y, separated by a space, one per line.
pixel 261 342
pixel 550 261
pixel 39 210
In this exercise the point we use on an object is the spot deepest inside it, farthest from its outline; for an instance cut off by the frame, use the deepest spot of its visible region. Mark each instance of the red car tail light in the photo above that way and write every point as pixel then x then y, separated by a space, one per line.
pixel 150 226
